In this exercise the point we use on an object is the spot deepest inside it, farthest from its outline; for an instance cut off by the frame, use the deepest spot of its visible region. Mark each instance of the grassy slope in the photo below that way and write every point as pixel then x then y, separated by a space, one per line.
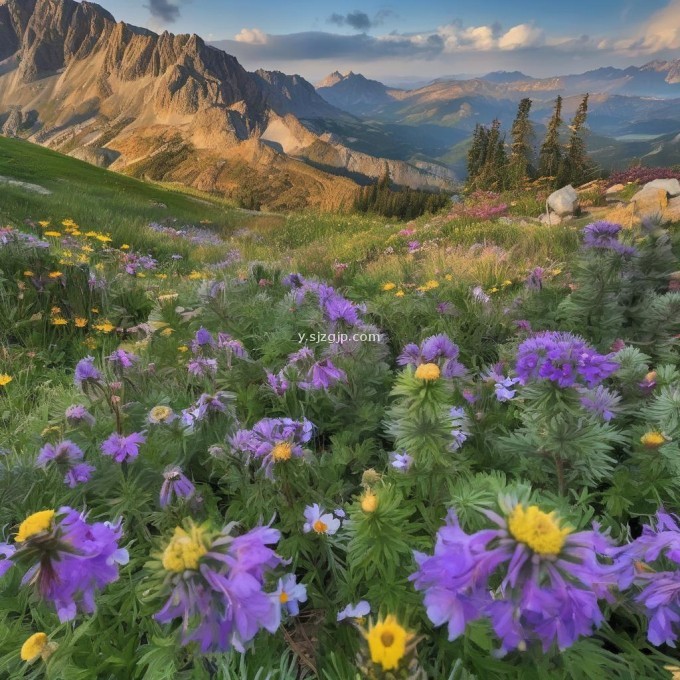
pixel 96 198
pixel 309 242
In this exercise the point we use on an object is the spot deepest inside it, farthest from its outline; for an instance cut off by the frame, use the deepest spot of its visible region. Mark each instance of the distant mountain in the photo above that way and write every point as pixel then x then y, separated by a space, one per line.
pixel 171 108
pixel 506 77
pixel 353 92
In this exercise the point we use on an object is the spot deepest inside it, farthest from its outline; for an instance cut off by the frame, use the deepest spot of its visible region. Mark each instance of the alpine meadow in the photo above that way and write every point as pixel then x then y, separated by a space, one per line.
pixel 377 377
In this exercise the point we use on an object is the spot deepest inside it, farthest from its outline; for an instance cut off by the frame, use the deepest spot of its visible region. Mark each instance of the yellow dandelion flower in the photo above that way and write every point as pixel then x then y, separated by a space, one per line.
pixel 183 349
pixel 43 224
pixel 103 238
pixel 28 273
pixel 95 310
pixel 194 276
pixel 80 322
pixel 387 641
pixel 162 276
pixel 55 275
pixel 59 321
pixel 449 277
pixel 52 234
pixel 389 286
pixel 506 283
pixel 87 249
pixel 104 326
pixel 5 379
pixel 125 246
pixel 399 294
pixel 493 290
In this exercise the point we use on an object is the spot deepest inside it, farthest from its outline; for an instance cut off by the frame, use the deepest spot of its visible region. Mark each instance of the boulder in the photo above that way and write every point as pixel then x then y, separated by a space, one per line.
pixel 564 201
pixel 670 186
pixel 672 212
pixel 615 189
pixel 650 202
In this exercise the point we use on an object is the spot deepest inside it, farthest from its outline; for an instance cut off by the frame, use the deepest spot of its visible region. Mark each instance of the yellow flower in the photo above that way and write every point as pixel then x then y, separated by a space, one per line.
pixel 556 272
pixel 387 641
pixel 399 293
pixel 80 322
pixel 506 283
pixel 91 234
pixel 282 451
pixel 103 238
pixel 493 290
pixel 166 332
pixel 125 246
pixel 652 440
pixel 5 379
pixel 95 310
pixel 56 310
pixel 68 222
pixel 59 321
pixel 369 501
pixel 55 275
pixel 87 249
pixel 28 273
pixel 162 277
pixel 194 276
pixel 389 286
pixel 44 224
pixel 449 277
pixel 34 524
pixel 428 372
pixel 141 275
pixel 539 530
pixel 184 550
pixel 182 348
pixel 159 414
pixel 53 234
pixel 34 647
pixel 90 343
pixel 104 326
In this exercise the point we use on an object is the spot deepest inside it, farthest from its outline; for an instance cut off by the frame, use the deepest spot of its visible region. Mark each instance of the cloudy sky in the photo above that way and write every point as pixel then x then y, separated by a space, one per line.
pixel 421 39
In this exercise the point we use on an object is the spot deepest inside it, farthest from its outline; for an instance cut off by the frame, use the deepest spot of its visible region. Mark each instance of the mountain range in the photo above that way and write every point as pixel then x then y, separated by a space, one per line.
pixel 176 109
pixel 172 108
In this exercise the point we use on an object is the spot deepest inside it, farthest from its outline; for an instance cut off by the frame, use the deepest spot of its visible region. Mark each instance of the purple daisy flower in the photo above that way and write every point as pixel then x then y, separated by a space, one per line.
pixel 289 594
pixel 80 473
pixel 273 440
pixel 435 349
pixel 215 586
pixel 234 347
pixel 550 578
pixel 203 338
pixel 319 521
pixel 503 389
pixel 605 236
pixel 278 383
pixel 175 485
pixel 69 456
pixel 71 559
pixel 121 448
pixel 201 366
pixel 205 406
pixel 602 402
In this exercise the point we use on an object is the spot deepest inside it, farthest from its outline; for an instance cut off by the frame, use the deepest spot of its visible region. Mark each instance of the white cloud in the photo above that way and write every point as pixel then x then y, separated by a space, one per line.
pixel 521 36
pixel 662 31
pixel 252 36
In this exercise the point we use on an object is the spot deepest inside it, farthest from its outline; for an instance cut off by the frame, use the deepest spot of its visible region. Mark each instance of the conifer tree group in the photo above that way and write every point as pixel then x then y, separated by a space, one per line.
pixel 490 167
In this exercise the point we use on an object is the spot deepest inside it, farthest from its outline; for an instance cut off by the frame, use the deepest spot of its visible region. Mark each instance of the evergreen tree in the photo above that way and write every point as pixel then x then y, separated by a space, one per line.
pixel 577 168
pixel 521 150
pixel 492 173
pixel 550 157
pixel 475 157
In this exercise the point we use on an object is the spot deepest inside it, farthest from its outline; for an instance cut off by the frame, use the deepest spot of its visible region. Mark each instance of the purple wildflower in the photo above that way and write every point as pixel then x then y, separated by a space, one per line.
pixel 401 461
pixel 459 427
pixel 215 586
pixel 203 338
pixel 278 383
pixel 122 359
pixel 659 589
pixel 228 344
pixel 289 594
pixel 206 405
pixel 355 611
pixel 77 415
pixel 319 521
pixel 123 449
pixel 322 376
pixel 479 295
pixel 80 473
pixel 503 389
pixel 86 373
pixel 200 366
pixel 273 440
pixel 602 402
pixel 562 358
pixel 605 236
pixel 535 279
pixel 551 578
pixel 435 349
pixel 175 485
pixel 71 558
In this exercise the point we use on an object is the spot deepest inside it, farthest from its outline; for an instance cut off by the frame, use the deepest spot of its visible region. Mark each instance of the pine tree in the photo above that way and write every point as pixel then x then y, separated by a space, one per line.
pixel 550 156
pixel 476 152
pixel 522 132
pixel 492 174
pixel 577 167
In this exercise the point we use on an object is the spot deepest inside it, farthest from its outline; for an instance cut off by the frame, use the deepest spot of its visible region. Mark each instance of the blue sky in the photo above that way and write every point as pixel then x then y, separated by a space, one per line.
pixel 410 39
